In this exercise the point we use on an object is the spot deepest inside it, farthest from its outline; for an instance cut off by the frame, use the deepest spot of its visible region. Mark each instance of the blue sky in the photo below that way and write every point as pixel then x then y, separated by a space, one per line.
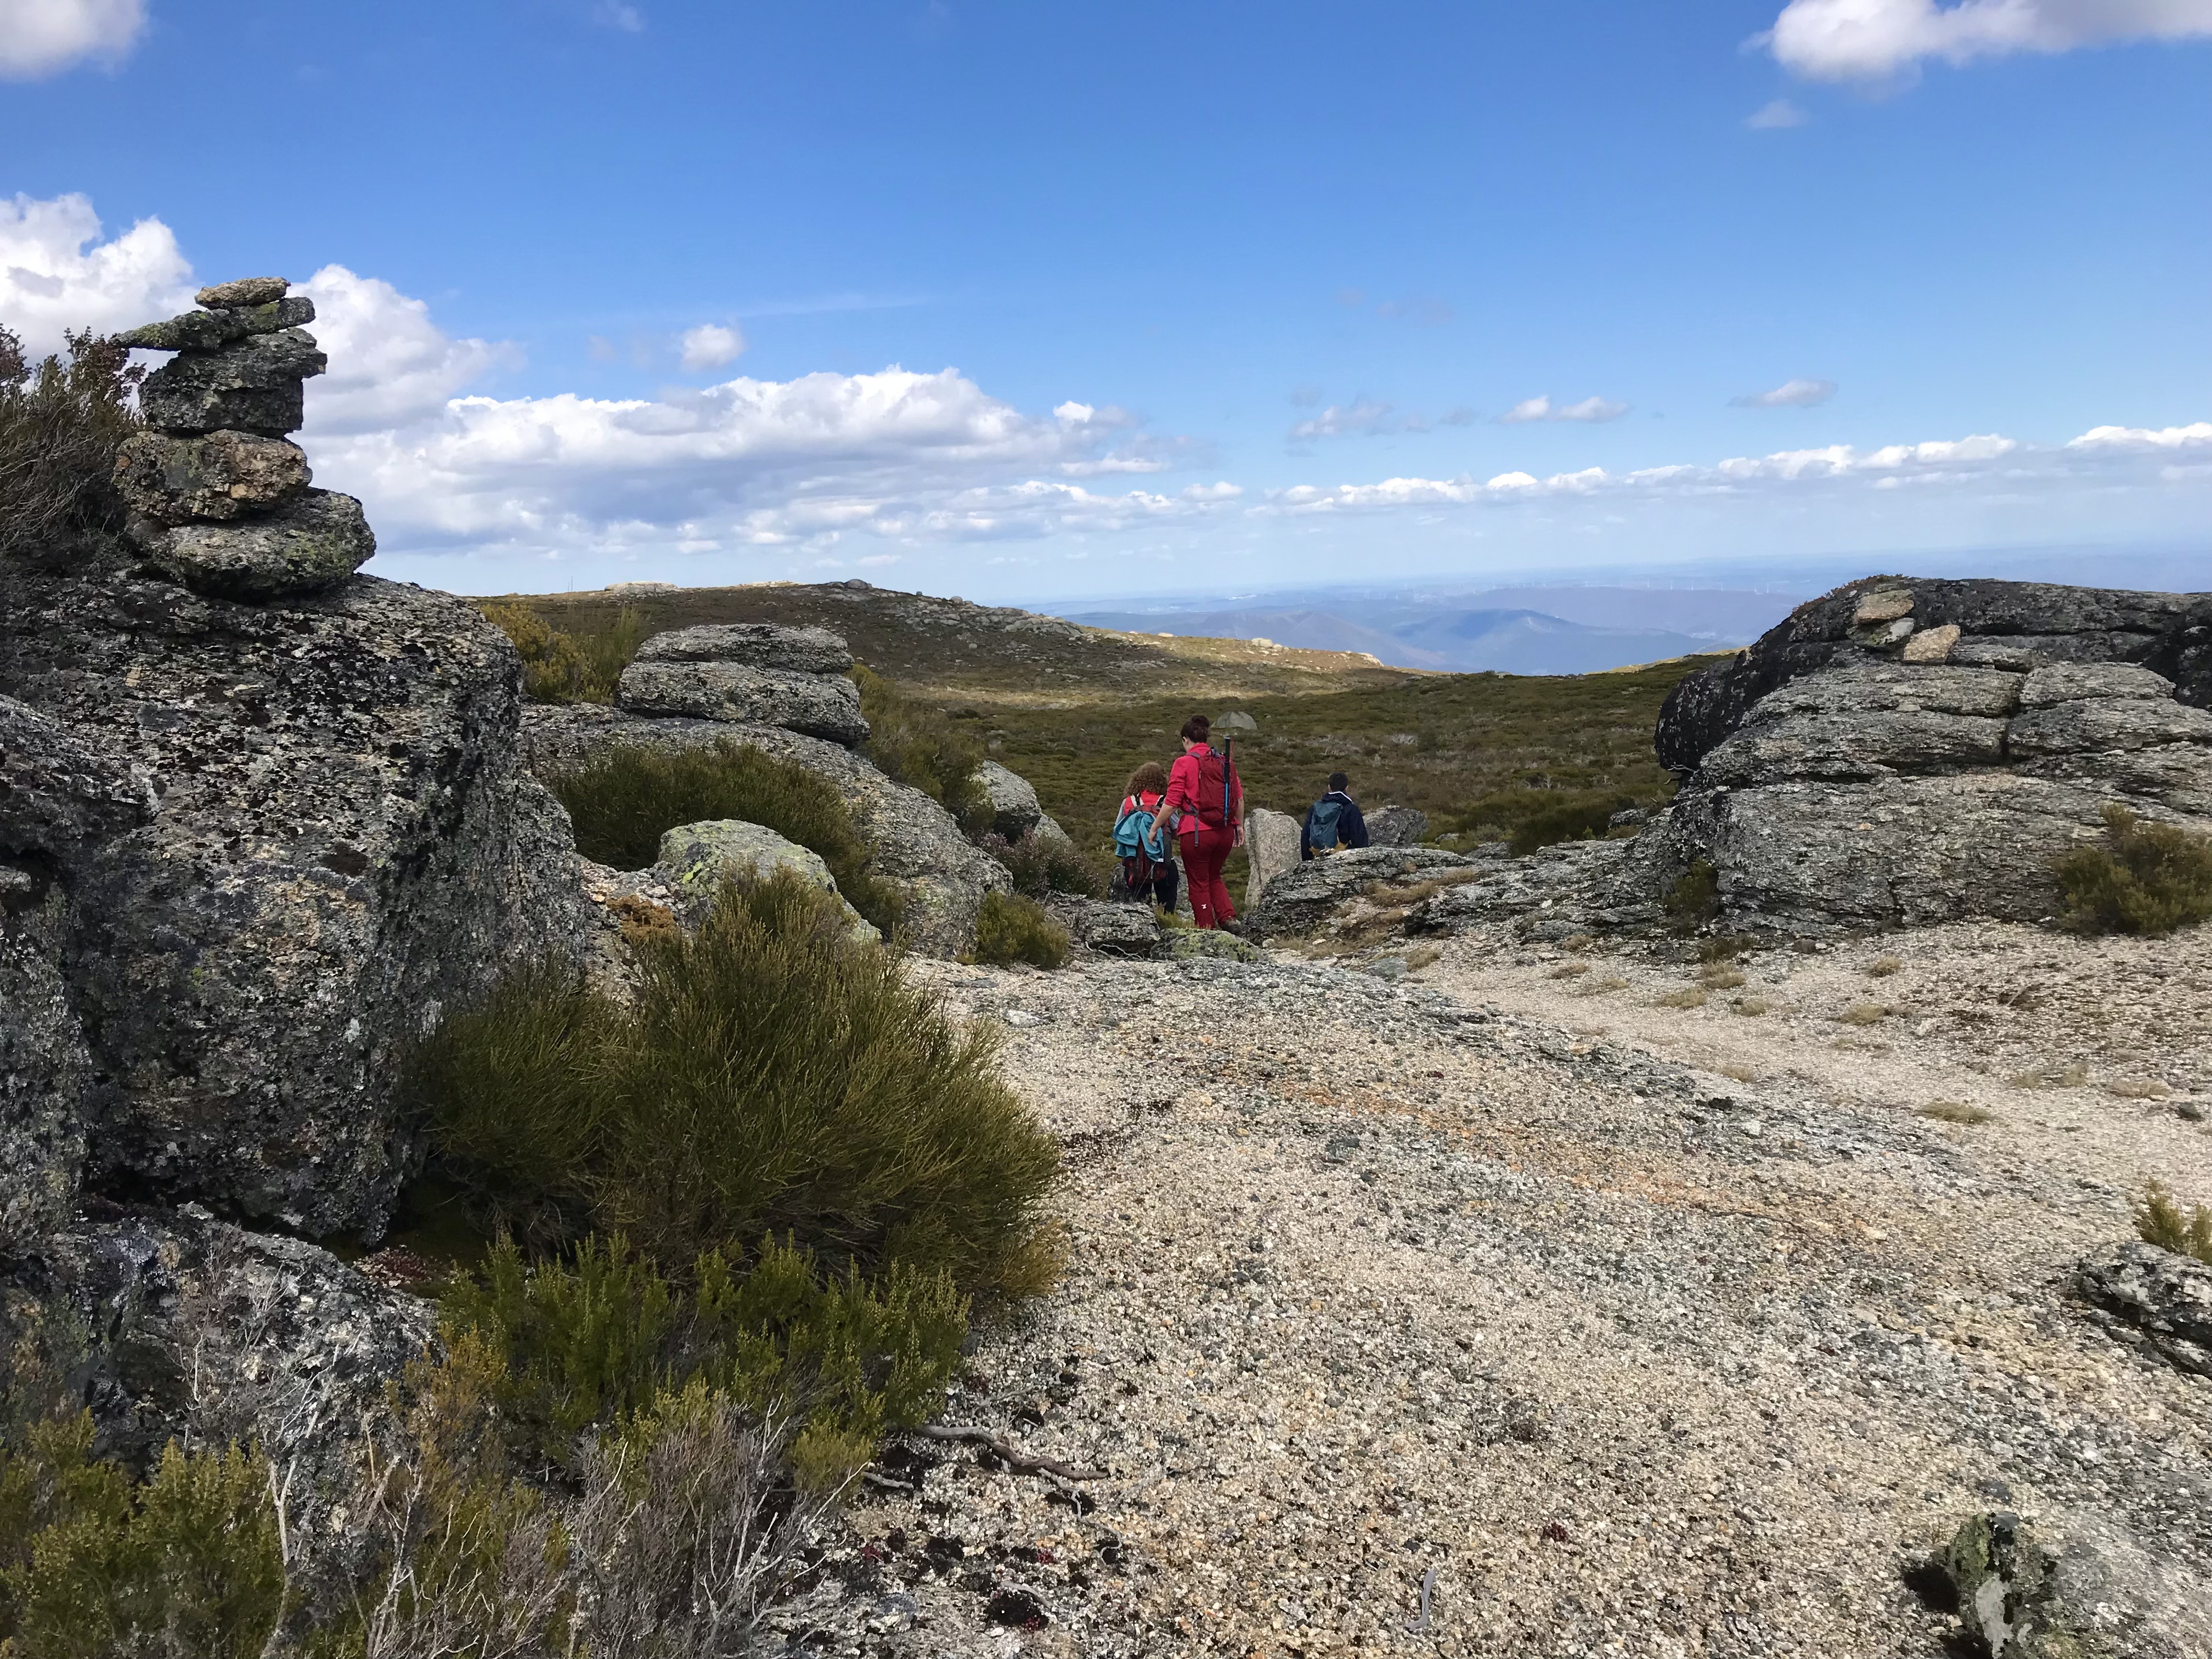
pixel 1201 296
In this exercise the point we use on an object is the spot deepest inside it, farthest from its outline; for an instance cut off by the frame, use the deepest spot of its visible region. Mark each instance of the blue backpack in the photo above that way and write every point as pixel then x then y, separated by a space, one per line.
pixel 1139 833
pixel 1321 824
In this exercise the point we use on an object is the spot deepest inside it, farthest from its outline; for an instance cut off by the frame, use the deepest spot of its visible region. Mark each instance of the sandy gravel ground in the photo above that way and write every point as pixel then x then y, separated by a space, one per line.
pixel 1623 1328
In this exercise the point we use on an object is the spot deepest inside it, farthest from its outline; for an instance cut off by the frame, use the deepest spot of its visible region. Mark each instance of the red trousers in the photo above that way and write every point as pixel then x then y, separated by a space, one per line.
pixel 1203 852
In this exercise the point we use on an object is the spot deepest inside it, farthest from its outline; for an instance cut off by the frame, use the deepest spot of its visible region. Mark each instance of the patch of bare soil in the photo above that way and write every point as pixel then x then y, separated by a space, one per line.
pixel 1534 1306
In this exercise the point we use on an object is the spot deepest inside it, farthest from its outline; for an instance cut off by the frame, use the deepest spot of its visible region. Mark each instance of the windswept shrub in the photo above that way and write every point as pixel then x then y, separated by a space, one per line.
pixel 2148 878
pixel 623 801
pixel 1695 898
pixel 924 749
pixel 2161 1221
pixel 94 1565
pixel 1010 928
pixel 61 424
pixel 560 667
pixel 771 1076
pixel 597 1334
pixel 1040 866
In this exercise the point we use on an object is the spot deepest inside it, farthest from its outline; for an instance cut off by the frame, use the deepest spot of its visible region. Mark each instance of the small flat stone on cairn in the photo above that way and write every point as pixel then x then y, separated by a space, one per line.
pixel 220 500
pixel 245 291
pixel 757 645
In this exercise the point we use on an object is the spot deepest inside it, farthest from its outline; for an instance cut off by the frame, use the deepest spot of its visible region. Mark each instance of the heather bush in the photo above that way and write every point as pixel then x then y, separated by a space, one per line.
pixel 2148 878
pixel 1695 898
pixel 623 801
pixel 2161 1221
pixel 560 667
pixel 61 425
pixel 1039 866
pixel 1010 928
pixel 770 1077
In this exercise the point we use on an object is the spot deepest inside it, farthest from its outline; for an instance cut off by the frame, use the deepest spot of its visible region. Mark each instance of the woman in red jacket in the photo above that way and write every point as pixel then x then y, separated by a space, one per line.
pixel 1203 791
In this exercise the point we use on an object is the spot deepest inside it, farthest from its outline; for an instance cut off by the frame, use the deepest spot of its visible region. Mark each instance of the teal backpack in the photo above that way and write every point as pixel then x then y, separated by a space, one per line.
pixel 1141 833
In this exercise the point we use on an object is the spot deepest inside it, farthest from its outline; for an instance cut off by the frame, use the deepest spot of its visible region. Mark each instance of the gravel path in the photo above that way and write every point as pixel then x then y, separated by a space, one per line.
pixel 1623 1329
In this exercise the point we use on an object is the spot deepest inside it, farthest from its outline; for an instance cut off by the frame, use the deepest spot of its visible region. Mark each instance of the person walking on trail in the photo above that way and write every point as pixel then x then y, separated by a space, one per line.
pixel 1142 840
pixel 1333 823
pixel 1205 800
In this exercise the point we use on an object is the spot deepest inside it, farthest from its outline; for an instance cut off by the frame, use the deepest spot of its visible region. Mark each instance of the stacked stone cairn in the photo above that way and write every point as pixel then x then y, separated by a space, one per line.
pixel 749 674
pixel 219 494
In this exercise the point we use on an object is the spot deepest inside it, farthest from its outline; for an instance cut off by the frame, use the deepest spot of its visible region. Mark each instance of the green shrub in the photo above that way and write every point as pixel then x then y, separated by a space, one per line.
pixel 598 1334
pixel 1010 928
pixel 771 1076
pixel 2149 878
pixel 558 667
pixel 1695 898
pixel 95 1565
pixel 61 426
pixel 920 746
pixel 2162 1222
pixel 626 798
pixel 1039 866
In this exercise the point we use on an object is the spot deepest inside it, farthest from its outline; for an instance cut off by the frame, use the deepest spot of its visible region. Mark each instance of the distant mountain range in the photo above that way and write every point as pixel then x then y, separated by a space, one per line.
pixel 1508 630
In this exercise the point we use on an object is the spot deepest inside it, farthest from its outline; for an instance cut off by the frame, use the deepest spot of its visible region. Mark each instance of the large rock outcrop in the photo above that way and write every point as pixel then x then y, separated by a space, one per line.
pixel 912 840
pixel 1902 751
pixel 751 674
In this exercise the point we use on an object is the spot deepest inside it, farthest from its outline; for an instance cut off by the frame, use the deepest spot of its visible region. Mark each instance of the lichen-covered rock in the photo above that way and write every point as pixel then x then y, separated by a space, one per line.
pixel 309 543
pixel 2093 1592
pixel 1114 930
pixel 205 330
pixel 242 292
pixel 696 858
pixel 912 840
pixel 2154 1297
pixel 220 476
pixel 1396 826
pixel 1014 808
pixel 818 705
pixel 346 844
pixel 1557 891
pixel 1300 899
pixel 61 790
pixel 44 1068
pixel 251 385
pixel 758 645
pixel 174 1325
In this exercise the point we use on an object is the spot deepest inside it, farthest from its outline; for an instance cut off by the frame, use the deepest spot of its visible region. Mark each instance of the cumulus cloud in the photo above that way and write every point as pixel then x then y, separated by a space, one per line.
pixel 1770 117
pixel 390 364
pixel 1542 409
pixel 1876 39
pixel 38 38
pixel 2098 456
pixel 1363 417
pixel 710 345
pixel 55 273
pixel 1790 394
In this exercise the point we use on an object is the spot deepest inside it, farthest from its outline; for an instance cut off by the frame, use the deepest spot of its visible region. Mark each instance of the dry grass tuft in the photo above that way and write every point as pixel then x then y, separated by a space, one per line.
pixel 1750 1006
pixel 1718 978
pixel 1883 966
pixel 2059 1074
pixel 2136 1088
pixel 1602 985
pixel 2161 1221
pixel 1957 1111
pixel 1687 998
pixel 1724 947
pixel 1423 956
pixel 1737 1070
pixel 1571 970
pixel 1866 1013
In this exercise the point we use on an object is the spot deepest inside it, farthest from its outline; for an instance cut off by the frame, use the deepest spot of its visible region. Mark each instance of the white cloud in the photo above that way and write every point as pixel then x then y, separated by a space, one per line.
pixel 1362 415
pixel 2102 455
pixel 56 274
pixel 1790 394
pixel 390 364
pixel 1542 409
pixel 1780 113
pixel 38 38
pixel 710 345
pixel 1875 40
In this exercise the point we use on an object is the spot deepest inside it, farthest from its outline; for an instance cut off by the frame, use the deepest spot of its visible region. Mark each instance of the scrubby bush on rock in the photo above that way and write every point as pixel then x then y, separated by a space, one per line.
pixel 1010 928
pixel 2149 879
pixel 2161 1221
pixel 919 747
pixel 1040 866
pixel 625 799
pixel 61 426
pixel 771 1076
pixel 562 668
